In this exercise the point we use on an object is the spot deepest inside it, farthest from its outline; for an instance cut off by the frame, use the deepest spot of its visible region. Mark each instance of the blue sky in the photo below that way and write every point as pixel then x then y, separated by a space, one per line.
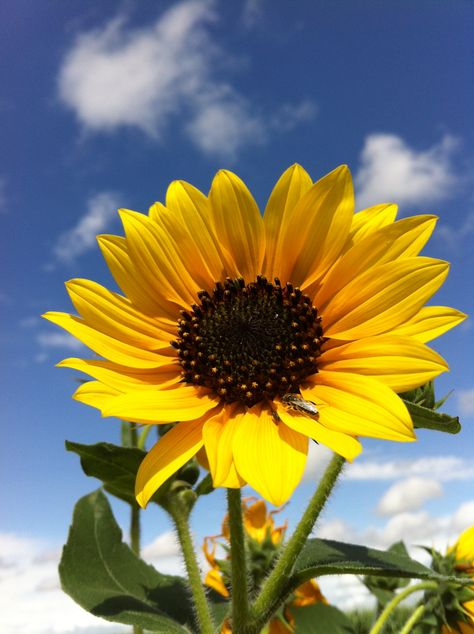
pixel 105 103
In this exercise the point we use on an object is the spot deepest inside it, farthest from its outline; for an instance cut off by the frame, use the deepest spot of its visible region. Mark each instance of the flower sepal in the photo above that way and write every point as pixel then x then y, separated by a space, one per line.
pixel 447 603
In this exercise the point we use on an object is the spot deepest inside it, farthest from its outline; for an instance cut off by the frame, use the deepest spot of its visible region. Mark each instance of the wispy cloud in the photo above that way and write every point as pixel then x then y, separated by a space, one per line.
pixel 101 211
pixel 466 401
pixel 392 171
pixel 167 74
pixel 408 495
pixel 58 340
pixel 442 468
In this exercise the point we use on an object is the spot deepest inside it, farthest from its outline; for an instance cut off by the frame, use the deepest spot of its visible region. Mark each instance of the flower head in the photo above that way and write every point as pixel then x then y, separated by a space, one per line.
pixel 259 333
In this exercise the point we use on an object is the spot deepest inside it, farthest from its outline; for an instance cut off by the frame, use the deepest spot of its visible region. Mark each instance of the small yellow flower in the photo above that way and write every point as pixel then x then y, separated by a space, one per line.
pixel 225 313
pixel 463 551
pixel 259 526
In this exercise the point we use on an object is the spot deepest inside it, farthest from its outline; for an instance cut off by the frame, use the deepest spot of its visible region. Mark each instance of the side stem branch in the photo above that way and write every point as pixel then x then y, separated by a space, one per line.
pixel 270 595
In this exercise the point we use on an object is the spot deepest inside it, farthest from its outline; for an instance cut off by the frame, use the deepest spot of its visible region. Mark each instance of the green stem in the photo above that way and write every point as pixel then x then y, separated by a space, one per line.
pixel 270 594
pixel 180 518
pixel 135 520
pixel 135 529
pixel 143 436
pixel 414 618
pixel 397 599
pixel 240 597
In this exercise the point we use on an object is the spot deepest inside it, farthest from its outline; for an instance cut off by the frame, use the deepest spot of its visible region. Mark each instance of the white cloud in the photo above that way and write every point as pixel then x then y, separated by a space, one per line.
pixel 443 468
pixel 466 401
pixel 28 577
pixel 164 553
pixel 223 126
pixel 101 211
pixel 392 171
pixel 319 457
pixel 415 529
pixel 57 340
pixel 408 495
pixel 162 75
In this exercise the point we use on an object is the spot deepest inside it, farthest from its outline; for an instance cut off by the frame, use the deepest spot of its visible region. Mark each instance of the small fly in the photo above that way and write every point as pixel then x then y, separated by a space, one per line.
pixel 298 403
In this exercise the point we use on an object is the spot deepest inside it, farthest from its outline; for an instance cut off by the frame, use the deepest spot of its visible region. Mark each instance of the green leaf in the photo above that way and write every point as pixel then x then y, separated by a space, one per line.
pixel 115 466
pixel 101 573
pixel 424 418
pixel 383 588
pixel 320 618
pixel 326 557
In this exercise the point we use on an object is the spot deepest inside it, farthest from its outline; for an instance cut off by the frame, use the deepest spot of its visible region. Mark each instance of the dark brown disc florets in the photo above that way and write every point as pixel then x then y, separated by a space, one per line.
pixel 249 342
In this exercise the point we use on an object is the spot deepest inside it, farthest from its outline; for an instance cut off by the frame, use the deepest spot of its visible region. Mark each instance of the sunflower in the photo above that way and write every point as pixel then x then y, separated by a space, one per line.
pixel 463 552
pixel 259 333
pixel 263 542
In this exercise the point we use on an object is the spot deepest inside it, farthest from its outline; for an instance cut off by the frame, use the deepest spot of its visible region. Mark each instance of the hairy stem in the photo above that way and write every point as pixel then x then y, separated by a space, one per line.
pixel 270 595
pixel 397 599
pixel 180 518
pixel 240 597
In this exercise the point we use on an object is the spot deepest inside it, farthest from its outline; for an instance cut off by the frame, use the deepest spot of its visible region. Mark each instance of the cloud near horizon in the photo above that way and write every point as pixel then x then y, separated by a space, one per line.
pixel 155 77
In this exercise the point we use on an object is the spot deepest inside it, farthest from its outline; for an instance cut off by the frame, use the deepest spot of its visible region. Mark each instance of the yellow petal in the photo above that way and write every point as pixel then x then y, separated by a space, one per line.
pixel 291 186
pixel 218 433
pixel 383 297
pixel 317 228
pixel 404 238
pixel 115 252
pixel 199 245
pixel 238 223
pixel 126 379
pixel 171 452
pixel 401 363
pixel 156 257
pixel 114 315
pixel 271 457
pixel 308 593
pixel 369 220
pixel 215 581
pixel 360 406
pixel 430 322
pixel 345 445
pixel 174 404
pixel 95 394
pixel 464 547
pixel 105 346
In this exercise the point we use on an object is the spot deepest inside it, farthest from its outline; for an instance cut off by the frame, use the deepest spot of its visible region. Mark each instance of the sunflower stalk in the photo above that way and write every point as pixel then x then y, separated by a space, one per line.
pixel 401 596
pixel 179 511
pixel 240 595
pixel 272 591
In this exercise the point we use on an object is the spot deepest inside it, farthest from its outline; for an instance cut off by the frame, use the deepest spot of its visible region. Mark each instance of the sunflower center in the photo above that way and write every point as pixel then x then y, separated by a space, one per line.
pixel 249 342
